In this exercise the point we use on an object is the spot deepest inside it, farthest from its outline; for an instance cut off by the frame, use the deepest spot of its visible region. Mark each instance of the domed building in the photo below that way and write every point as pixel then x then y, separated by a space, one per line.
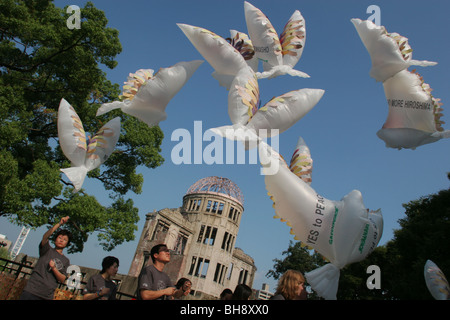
pixel 201 236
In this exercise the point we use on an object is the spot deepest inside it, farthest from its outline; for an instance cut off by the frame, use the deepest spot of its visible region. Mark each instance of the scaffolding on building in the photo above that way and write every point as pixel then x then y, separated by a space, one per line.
pixel 19 242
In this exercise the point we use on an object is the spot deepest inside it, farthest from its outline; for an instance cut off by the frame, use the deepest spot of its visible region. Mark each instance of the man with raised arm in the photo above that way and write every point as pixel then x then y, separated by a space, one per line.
pixel 51 267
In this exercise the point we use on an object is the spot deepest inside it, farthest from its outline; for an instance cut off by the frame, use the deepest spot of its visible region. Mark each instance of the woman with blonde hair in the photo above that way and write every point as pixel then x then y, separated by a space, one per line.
pixel 290 286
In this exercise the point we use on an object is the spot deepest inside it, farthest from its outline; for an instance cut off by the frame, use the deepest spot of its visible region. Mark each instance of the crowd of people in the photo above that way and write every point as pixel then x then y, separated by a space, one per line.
pixel 153 282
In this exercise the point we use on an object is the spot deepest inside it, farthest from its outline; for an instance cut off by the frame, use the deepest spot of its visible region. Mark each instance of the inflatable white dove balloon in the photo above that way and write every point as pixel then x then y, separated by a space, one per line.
pixel 146 95
pixel 279 54
pixel 436 281
pixel 414 114
pixel 275 117
pixel 390 52
pixel 84 153
pixel 342 231
pixel 225 59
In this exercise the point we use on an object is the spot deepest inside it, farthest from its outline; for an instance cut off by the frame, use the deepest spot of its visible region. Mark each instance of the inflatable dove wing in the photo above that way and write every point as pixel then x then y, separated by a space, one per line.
pixel 85 155
pixel 301 161
pixel 279 55
pixel 146 95
pixel 342 231
pixel 242 43
pixel 436 282
pixel 220 54
pixel 414 114
pixel 243 97
pixel 300 164
pixel 275 117
pixel 390 52
pixel 284 111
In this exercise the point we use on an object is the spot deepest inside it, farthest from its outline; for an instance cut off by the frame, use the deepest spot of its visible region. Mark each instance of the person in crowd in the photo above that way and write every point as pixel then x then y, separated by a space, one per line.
pixel 184 285
pixel 101 285
pixel 290 287
pixel 241 292
pixel 226 294
pixel 51 267
pixel 153 282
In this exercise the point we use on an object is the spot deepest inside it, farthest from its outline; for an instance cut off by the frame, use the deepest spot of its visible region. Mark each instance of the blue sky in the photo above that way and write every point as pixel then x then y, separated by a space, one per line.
pixel 340 130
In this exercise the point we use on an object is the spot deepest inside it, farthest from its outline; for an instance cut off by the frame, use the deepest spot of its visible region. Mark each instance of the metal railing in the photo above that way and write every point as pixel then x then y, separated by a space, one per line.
pixel 23 269
pixel 15 268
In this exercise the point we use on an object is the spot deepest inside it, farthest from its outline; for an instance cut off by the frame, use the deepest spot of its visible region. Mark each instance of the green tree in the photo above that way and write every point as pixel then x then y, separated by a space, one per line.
pixel 423 236
pixel 353 278
pixel 41 62
pixel 4 254
pixel 297 258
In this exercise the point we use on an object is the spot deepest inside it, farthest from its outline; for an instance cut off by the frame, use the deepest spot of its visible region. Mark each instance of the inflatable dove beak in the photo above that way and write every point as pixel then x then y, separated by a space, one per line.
pixel 151 94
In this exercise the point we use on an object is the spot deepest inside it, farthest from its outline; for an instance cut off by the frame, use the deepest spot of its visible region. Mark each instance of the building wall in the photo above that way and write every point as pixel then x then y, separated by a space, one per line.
pixel 202 236
pixel 264 293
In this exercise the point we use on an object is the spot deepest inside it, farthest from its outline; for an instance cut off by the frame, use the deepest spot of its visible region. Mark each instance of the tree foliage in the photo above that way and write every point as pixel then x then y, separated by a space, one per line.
pixel 41 62
pixel 423 236
pixel 297 258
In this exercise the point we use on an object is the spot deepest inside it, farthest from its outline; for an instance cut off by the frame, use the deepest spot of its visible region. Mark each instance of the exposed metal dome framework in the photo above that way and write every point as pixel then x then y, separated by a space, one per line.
pixel 217 185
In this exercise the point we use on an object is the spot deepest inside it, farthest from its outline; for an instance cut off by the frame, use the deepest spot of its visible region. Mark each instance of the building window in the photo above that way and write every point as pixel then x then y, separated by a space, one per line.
pixel 200 234
pixel 230 213
pixel 230 271
pixel 227 242
pixel 233 214
pixel 219 273
pixel 220 208
pixel 194 205
pixel 208 206
pixel 191 270
pixel 197 269
pixel 208 237
pixel 224 241
pixel 199 202
pixel 214 208
pixel 161 230
pixel 243 276
pixel 216 273
pixel 204 269
pixel 212 239
pixel 180 245
pixel 200 266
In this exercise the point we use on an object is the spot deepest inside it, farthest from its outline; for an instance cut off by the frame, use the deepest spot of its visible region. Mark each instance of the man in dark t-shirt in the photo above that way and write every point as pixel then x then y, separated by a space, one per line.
pixel 153 283
pixel 51 267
